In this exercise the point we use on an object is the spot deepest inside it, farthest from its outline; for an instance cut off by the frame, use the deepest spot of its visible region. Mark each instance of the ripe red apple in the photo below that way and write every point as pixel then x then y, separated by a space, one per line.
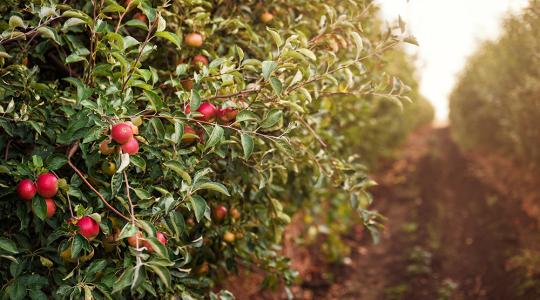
pixel 266 17
pixel 51 207
pixel 220 212
pixel 121 133
pixel 47 185
pixel 26 189
pixel 200 59
pixel 88 227
pixel 189 130
pixel 161 237
pixel 207 110
pixel 131 146
pixel 227 114
pixel 194 39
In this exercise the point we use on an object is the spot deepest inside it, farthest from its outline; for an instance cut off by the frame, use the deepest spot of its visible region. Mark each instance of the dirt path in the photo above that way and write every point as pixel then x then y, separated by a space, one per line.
pixel 449 235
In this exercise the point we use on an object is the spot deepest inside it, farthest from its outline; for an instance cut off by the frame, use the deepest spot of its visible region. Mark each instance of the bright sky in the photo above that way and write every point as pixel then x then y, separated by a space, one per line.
pixel 448 32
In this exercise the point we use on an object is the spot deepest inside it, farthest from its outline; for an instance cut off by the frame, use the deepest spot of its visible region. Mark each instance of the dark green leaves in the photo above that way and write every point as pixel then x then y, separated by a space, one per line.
pixel 8 245
pixel 171 37
pixel 215 137
pixel 39 207
pixel 247 144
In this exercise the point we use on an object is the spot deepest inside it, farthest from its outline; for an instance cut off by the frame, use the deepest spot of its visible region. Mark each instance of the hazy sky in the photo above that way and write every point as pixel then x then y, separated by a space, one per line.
pixel 448 31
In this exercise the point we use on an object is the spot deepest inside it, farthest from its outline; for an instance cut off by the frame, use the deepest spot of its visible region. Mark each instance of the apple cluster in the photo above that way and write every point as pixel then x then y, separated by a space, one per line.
pixel 124 135
pixel 46 186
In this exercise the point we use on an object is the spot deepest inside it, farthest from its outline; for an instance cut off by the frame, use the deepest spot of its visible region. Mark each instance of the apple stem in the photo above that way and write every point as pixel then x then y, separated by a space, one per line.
pixel 72 151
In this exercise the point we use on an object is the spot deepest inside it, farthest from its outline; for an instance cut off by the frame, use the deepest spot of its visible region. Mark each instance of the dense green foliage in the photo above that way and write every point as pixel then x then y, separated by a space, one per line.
pixel 495 104
pixel 300 83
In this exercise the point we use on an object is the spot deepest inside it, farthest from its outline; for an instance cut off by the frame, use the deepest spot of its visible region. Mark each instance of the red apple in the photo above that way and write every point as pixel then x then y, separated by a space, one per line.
pixel 131 146
pixel 194 39
pixel 227 114
pixel 105 149
pixel 88 227
pixel 161 237
pixel 47 185
pixel 141 17
pixel 51 207
pixel 26 189
pixel 220 212
pixel 189 130
pixel 187 84
pixel 200 59
pixel 132 240
pixel 121 133
pixel 266 17
pixel 235 214
pixel 207 110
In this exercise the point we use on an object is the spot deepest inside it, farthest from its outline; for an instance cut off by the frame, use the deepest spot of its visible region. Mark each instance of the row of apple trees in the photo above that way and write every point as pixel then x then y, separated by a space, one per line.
pixel 494 105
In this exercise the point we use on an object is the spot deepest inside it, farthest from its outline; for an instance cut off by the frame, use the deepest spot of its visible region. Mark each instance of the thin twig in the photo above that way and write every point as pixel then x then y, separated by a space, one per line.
pixel 313 132
pixel 131 208
pixel 72 151
pixel 6 154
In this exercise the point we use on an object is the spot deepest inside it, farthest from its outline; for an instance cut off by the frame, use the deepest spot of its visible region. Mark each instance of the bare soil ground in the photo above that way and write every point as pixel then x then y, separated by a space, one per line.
pixel 454 222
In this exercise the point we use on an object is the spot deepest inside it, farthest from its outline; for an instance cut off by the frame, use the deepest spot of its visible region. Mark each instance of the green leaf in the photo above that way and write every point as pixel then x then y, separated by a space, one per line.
pixel 178 169
pixel 8 245
pixel 358 42
pixel 214 186
pixel 124 281
pixel 195 100
pixel 157 246
pixel 276 37
pixel 16 21
pixel 268 67
pixel 72 22
pixel 159 129
pixel 277 86
pixel 47 32
pixel 39 206
pixel 171 37
pixel 127 231
pixel 163 274
pixel 137 24
pixel 215 137
pixel 77 245
pixel 56 161
pixel 272 118
pixel 142 194
pixel 308 53
pixel 138 162
pixel 247 144
pixel 199 206
pixel 246 115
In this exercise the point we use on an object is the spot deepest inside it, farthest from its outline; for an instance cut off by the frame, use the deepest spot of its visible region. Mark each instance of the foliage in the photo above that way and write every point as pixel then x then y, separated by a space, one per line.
pixel 495 103
pixel 72 69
